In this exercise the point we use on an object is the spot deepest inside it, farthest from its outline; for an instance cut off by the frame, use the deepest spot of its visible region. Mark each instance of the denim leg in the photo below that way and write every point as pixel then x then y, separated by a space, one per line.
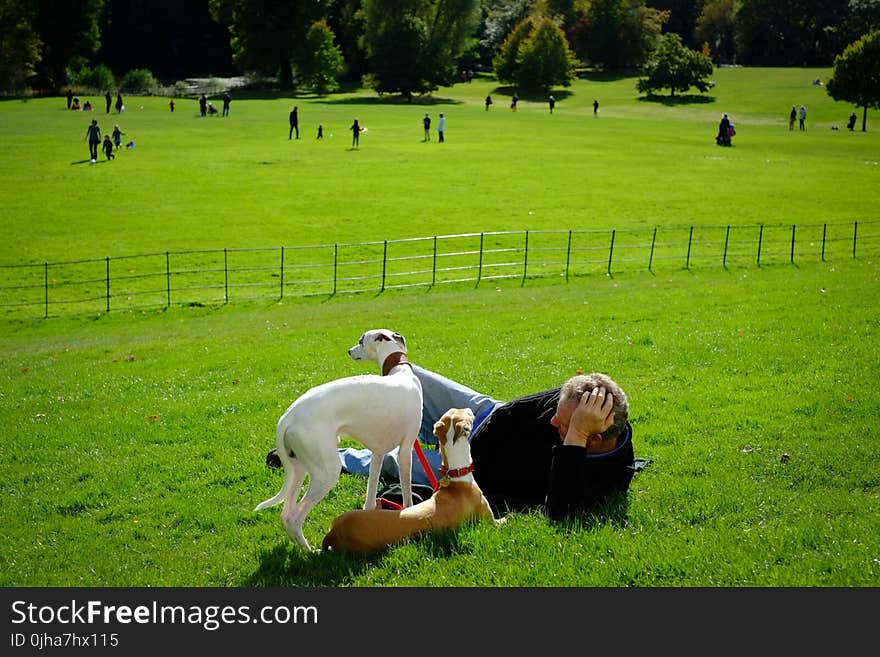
pixel 439 394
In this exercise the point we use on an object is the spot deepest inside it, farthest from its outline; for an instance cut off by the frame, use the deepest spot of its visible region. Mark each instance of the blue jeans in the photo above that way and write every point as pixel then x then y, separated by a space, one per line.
pixel 439 394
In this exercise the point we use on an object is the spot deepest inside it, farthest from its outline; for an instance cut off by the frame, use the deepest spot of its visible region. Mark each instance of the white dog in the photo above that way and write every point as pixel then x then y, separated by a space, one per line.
pixel 381 412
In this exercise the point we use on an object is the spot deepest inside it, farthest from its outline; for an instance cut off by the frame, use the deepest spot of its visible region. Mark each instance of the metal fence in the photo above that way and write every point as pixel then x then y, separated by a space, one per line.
pixel 210 277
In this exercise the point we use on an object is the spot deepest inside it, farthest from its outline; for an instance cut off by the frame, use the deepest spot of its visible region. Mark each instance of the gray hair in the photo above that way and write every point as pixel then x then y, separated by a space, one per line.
pixel 577 386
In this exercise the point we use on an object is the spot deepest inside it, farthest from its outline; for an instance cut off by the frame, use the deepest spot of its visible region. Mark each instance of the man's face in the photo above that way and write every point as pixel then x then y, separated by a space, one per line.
pixel 562 417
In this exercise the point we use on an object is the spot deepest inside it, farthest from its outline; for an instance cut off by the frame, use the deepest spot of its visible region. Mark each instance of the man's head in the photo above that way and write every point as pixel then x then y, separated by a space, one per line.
pixel 583 384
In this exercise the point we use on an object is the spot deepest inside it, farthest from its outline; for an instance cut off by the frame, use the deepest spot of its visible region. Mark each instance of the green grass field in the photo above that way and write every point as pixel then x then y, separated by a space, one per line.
pixel 134 441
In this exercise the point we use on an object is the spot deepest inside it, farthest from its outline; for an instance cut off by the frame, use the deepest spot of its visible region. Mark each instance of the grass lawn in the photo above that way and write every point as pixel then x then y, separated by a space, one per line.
pixel 139 436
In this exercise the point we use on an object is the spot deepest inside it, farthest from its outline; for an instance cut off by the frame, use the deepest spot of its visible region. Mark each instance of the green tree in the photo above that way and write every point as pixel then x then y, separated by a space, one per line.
pixel 19 44
pixel 675 67
pixel 322 59
pixel 717 27
pixel 505 63
pixel 268 35
pixel 68 29
pixel 414 45
pixel 536 56
pixel 621 33
pixel 855 77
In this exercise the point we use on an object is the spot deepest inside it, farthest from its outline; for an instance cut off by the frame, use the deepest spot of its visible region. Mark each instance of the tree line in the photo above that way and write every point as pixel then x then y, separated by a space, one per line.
pixel 408 46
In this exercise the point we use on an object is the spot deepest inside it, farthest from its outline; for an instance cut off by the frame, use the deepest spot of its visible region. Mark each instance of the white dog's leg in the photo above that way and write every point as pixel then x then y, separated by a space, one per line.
pixel 319 486
pixel 404 461
pixel 373 480
pixel 295 474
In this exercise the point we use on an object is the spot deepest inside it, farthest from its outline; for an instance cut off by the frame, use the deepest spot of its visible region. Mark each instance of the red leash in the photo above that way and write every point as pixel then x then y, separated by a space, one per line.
pixel 389 504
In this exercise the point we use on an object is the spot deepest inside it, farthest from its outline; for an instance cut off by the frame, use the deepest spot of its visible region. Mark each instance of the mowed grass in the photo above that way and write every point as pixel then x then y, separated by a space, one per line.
pixel 134 441
pixel 195 182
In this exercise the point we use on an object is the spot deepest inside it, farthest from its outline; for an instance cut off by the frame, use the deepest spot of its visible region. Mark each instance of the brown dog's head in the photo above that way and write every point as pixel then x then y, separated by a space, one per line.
pixel 455 423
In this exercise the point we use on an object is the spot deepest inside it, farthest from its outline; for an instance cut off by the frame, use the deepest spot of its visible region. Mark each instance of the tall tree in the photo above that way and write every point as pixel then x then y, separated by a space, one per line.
pixel 675 67
pixel 19 44
pixel 683 16
pixel 716 26
pixel 322 60
pixel 621 33
pixel 414 45
pixel 536 56
pixel 68 29
pixel 856 75
pixel 268 35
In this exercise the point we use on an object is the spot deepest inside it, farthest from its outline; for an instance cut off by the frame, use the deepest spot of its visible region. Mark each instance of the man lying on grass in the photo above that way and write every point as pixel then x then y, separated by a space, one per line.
pixel 565 450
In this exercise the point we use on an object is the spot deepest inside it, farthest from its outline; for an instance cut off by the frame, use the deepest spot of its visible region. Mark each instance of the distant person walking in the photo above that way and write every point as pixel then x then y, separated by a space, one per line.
pixel 792 117
pixel 802 117
pixel 552 101
pixel 109 100
pixel 851 124
pixel 441 128
pixel 514 101
pixel 426 124
pixel 171 104
pixel 108 147
pixel 226 100
pixel 355 134
pixel 203 105
pixel 119 105
pixel 595 107
pixel 488 102
pixel 117 136
pixel 294 123
pixel 69 97
pixel 320 131
pixel 93 135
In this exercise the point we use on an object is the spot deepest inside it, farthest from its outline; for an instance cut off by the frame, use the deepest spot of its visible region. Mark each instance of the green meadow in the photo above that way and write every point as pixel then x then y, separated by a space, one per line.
pixel 133 441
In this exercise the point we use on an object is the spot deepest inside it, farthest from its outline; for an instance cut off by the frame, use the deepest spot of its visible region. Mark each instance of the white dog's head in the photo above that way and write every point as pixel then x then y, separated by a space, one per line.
pixel 377 344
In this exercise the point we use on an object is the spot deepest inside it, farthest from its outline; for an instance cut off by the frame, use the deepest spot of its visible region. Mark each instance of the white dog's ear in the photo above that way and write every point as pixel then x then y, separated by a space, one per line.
pixel 399 339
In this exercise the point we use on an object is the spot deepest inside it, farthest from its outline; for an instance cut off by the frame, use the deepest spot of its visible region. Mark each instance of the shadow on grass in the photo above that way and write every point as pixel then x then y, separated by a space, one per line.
pixel 287 565
pixel 613 512
pixel 675 101
pixel 531 95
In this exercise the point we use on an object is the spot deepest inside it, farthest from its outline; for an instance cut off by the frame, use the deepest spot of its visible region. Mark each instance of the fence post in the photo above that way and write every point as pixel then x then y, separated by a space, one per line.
pixel 760 240
pixel 525 259
pixel 824 232
pixel 46 290
pixel 651 256
pixel 167 280
pixel 282 273
pixel 687 263
pixel 726 242
pixel 855 233
pixel 434 264
pixel 225 275
pixel 791 258
pixel 480 266
pixel 611 250
pixel 384 264
pixel 568 256
pixel 108 283
pixel 335 265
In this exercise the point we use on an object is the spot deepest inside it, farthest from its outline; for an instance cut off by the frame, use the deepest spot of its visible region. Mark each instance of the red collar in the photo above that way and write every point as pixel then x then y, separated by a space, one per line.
pixel 393 361
pixel 457 472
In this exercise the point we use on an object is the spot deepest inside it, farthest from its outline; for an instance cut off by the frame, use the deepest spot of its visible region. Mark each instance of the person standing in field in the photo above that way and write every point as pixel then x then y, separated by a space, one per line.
pixel 93 135
pixel 426 124
pixel 117 136
pixel 791 118
pixel 294 123
pixel 488 102
pixel 595 107
pixel 514 101
pixel 441 128
pixel 802 117
pixel 69 97
pixel 552 101
pixel 203 105
pixel 108 99
pixel 226 100
pixel 119 105
pixel 355 134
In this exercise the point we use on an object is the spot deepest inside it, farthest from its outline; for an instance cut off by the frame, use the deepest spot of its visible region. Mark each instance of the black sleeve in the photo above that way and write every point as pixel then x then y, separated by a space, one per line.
pixel 567 491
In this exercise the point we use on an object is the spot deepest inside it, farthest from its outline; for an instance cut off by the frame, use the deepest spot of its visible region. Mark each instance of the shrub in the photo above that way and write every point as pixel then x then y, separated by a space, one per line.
pixel 139 81
pixel 99 78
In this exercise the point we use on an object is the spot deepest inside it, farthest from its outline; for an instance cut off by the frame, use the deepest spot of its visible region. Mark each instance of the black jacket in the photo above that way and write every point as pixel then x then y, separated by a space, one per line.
pixel 521 463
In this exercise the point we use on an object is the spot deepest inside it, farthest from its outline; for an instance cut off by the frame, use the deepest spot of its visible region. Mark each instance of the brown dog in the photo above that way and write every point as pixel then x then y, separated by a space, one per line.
pixel 457 501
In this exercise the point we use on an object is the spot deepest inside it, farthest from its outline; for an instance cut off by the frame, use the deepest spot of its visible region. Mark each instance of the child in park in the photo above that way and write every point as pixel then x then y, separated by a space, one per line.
pixel 117 136
pixel 108 147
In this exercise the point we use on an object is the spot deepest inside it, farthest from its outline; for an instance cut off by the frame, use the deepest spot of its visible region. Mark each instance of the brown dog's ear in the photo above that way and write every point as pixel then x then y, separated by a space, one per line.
pixel 441 427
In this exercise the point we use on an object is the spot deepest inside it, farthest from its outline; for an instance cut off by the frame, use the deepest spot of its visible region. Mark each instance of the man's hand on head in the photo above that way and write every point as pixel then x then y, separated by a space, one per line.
pixel 593 415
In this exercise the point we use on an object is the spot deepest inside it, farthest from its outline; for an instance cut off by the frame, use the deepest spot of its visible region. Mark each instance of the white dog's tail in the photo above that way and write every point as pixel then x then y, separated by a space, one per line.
pixel 288 475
